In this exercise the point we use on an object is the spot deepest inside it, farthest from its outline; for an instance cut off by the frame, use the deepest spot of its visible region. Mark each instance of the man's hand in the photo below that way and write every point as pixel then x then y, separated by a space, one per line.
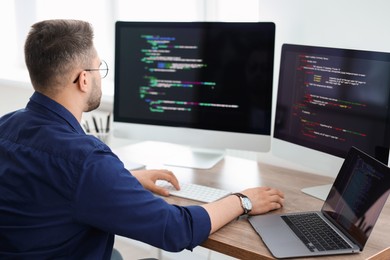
pixel 148 180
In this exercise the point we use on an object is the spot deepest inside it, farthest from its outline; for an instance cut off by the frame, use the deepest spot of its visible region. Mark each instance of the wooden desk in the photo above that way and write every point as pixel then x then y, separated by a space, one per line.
pixel 238 238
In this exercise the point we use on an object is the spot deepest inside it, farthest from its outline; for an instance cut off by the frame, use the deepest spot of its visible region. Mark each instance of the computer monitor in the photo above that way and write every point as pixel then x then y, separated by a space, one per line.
pixel 328 100
pixel 205 85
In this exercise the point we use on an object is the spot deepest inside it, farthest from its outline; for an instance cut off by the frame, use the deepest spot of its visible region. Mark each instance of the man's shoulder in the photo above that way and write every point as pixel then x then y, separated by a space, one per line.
pixel 52 138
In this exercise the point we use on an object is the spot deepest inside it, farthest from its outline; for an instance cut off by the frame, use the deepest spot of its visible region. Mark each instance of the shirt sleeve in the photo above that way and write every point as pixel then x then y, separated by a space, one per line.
pixel 109 198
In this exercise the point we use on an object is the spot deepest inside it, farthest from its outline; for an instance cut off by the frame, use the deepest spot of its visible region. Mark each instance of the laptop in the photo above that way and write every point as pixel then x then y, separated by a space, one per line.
pixel 348 215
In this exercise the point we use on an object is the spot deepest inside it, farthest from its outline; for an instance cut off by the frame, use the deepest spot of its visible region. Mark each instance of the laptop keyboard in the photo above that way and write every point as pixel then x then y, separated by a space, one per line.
pixel 314 232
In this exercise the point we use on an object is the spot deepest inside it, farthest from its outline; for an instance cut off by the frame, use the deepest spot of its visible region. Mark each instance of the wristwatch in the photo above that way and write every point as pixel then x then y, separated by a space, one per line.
pixel 246 203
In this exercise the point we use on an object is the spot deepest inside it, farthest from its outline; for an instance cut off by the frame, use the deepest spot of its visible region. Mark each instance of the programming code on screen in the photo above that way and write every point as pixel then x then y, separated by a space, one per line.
pixel 166 63
pixel 214 76
pixel 332 99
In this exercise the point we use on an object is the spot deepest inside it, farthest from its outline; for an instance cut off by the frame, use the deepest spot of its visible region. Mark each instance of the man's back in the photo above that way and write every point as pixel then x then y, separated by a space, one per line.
pixel 38 184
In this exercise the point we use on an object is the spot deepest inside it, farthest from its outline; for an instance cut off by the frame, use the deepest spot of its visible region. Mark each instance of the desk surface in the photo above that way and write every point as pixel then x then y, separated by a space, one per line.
pixel 238 238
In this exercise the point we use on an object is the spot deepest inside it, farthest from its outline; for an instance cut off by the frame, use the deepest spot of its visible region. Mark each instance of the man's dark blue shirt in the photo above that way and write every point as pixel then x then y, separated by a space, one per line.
pixel 64 194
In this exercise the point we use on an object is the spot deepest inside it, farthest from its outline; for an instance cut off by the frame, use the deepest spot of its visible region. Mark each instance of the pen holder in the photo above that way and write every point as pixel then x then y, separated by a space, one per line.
pixel 104 137
pixel 98 126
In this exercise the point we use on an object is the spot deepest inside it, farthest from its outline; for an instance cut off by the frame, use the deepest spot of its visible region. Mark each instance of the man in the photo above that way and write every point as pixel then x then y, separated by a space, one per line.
pixel 64 194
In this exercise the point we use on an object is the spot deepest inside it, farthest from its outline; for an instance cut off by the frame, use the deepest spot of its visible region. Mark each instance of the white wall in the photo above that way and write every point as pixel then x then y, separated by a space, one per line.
pixel 334 23
pixel 14 95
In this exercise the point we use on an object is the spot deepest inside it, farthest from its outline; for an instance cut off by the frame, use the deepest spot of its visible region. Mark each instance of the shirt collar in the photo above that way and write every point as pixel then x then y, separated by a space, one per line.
pixel 56 108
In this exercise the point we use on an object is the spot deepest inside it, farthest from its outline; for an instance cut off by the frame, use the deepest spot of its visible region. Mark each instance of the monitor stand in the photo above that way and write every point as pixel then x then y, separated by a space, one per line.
pixel 194 158
pixel 320 192
pixel 132 166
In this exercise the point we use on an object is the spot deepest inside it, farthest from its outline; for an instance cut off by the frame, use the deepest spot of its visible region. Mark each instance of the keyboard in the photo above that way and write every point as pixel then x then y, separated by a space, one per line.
pixel 314 232
pixel 194 191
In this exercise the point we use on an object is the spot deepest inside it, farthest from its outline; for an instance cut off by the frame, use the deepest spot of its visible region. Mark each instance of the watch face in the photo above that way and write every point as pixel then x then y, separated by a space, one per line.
pixel 247 204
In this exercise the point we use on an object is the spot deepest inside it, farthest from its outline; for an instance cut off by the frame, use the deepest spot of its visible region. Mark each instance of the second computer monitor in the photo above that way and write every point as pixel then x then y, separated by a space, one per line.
pixel 330 99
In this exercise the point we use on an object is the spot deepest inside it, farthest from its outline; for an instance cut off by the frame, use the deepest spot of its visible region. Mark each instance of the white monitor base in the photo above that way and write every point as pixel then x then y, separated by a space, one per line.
pixel 132 166
pixel 320 192
pixel 193 158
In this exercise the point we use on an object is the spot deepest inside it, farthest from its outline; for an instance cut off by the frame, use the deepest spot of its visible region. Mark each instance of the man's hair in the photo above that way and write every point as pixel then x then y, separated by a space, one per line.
pixel 55 48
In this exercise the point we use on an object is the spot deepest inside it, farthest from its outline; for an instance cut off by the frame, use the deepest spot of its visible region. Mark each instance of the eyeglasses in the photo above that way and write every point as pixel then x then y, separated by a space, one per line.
pixel 103 69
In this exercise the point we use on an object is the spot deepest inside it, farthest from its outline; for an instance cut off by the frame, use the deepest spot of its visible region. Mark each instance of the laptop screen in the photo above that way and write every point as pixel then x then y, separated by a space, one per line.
pixel 358 195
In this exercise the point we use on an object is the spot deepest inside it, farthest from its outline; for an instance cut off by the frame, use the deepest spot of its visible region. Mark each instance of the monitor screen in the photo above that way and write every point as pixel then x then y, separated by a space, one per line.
pixel 330 99
pixel 209 76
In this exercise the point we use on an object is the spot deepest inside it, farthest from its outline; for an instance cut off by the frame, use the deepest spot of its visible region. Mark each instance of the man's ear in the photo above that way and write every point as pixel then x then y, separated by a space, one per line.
pixel 83 82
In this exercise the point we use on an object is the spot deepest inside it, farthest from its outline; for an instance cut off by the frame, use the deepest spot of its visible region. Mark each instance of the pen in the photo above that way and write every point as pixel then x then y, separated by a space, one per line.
pixel 86 126
pixel 108 123
pixel 88 129
pixel 95 123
